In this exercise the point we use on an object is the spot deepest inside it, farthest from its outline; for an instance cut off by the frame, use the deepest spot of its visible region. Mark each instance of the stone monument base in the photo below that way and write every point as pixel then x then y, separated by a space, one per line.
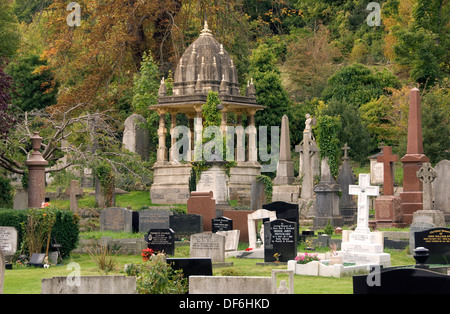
pixel 170 183
pixel 364 248
pixel 388 212
pixel 286 193
pixel 306 207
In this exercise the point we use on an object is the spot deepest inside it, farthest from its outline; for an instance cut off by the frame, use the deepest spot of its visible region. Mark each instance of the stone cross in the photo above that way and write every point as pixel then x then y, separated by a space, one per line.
pixel 388 169
pixel 363 190
pixel 74 192
pixel 426 175
pixel 345 149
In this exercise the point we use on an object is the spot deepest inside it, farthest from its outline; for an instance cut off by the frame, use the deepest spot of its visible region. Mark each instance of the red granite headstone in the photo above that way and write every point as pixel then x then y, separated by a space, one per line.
pixel 411 198
pixel 202 203
pixel 36 173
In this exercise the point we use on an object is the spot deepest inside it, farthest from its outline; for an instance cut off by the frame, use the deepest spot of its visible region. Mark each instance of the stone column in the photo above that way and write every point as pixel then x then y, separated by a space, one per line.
pixel 161 155
pixel 173 140
pixel 411 197
pixel 240 140
pixel 252 150
pixel 198 133
pixel 36 174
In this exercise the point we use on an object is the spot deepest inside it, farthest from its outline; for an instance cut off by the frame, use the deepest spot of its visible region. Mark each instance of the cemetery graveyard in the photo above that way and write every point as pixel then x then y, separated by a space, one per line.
pixel 213 212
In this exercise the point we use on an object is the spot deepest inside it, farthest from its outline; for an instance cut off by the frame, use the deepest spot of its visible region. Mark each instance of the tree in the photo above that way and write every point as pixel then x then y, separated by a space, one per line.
pixel 6 119
pixel 269 90
pixel 34 84
pixel 9 35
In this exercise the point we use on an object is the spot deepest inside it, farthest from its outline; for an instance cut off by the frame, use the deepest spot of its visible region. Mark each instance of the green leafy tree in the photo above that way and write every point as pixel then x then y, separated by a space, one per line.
pixel 34 84
pixel 9 34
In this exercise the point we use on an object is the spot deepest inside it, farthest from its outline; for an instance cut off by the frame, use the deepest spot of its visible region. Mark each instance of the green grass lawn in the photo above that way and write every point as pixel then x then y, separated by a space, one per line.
pixel 27 280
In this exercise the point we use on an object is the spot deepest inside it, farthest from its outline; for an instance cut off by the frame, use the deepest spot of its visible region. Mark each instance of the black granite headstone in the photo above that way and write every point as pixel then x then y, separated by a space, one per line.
pixel 280 238
pixel 284 210
pixel 184 225
pixel 437 241
pixel 37 259
pixel 192 266
pixel 401 281
pixel 161 240
pixel 221 224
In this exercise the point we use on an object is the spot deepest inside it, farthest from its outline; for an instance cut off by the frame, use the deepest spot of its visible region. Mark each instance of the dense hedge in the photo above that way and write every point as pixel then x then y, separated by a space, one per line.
pixel 65 229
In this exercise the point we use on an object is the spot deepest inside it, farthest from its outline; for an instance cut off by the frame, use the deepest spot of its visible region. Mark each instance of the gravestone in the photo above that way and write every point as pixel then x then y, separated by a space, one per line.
pixel 184 225
pixel 345 178
pixel 215 180
pixel 208 245
pixel 203 203
pixel 36 173
pixel 260 214
pixel 191 266
pixel 283 190
pixel 437 241
pixel 74 192
pixel 284 210
pixel 231 239
pixel 411 197
pixel 417 226
pixel 280 237
pixel 402 281
pixel 154 219
pixel 221 224
pixel 388 210
pixel 257 195
pixel 327 199
pixel 441 186
pixel 363 246
pixel 135 136
pixel 21 199
pixel 37 259
pixel 376 167
pixel 8 241
pixel 161 240
pixel 116 219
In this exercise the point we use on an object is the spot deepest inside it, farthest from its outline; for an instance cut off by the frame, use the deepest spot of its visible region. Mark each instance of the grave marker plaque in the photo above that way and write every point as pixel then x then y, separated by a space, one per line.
pixel 161 240
pixel 154 219
pixel 221 224
pixel 116 219
pixel 437 241
pixel 208 245
pixel 184 225
pixel 8 241
pixel 280 237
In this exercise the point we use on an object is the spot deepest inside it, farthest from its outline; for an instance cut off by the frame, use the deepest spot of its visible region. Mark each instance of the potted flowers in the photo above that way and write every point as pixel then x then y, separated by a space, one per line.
pixel 146 253
pixel 306 258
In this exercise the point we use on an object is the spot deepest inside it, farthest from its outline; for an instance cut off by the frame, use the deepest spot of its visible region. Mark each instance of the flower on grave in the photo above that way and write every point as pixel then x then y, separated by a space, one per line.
pixel 45 204
pixel 248 249
pixel 147 252
pixel 277 256
pixel 306 258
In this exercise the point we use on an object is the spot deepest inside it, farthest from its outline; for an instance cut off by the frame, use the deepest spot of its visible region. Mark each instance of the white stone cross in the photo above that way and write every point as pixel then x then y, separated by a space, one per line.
pixel 363 190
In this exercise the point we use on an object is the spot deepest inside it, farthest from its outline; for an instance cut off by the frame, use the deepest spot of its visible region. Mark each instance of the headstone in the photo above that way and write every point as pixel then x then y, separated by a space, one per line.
pixel 21 199
pixel 202 203
pixel 135 136
pixel 437 241
pixel 362 245
pixel 8 241
pixel 284 210
pixel 36 173
pixel 231 239
pixel 417 226
pixel 283 189
pixel 260 214
pixel 74 191
pixel 327 199
pixel 154 219
pixel 216 180
pixel 388 210
pixel 161 240
pixel 257 195
pixel 411 197
pixel 280 240
pixel 191 266
pixel 285 166
pixel 345 178
pixel 376 167
pixel 402 281
pixel 184 225
pixel 208 245
pixel 37 259
pixel 441 186
pixel 116 219
pixel 221 224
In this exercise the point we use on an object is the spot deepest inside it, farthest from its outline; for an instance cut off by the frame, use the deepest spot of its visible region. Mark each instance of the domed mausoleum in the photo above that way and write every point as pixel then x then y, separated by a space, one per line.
pixel 204 66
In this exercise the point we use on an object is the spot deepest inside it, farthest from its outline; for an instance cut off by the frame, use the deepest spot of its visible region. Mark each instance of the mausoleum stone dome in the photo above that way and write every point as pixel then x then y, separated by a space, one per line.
pixel 205 66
